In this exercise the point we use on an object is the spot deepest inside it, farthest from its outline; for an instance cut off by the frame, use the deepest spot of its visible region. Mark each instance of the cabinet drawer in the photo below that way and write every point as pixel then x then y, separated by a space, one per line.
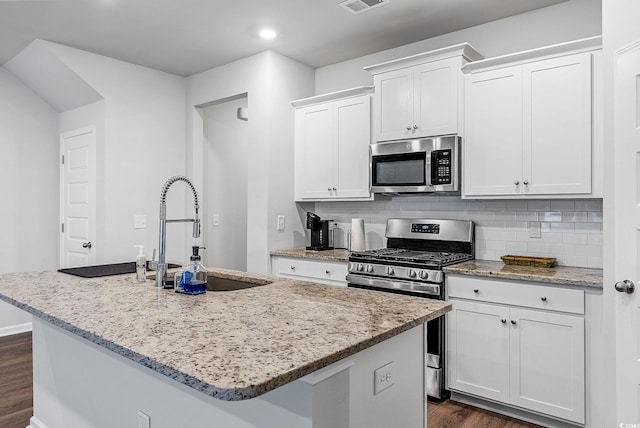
pixel 516 293
pixel 322 271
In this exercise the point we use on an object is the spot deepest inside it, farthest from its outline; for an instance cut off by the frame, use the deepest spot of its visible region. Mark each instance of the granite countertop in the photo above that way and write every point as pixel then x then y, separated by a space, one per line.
pixel 338 255
pixel 231 345
pixel 565 275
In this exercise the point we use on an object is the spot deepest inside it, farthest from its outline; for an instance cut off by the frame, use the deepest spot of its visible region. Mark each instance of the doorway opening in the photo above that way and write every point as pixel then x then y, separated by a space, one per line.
pixel 225 171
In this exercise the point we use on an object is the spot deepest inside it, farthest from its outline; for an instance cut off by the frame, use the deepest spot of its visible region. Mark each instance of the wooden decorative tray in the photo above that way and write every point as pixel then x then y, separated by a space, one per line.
pixel 529 261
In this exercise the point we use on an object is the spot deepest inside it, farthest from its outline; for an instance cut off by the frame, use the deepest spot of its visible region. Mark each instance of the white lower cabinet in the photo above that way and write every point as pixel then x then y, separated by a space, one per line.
pixel 514 353
pixel 322 271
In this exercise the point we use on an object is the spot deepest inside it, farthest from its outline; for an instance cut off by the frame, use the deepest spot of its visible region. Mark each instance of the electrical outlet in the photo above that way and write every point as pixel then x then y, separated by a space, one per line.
pixel 140 221
pixel 534 229
pixel 280 222
pixel 383 378
pixel 144 421
pixel 216 220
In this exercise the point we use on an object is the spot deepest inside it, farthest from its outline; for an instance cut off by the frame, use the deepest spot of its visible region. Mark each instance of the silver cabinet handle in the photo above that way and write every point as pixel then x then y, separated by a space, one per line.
pixel 292 267
pixel 334 189
pixel 525 182
pixel 543 298
pixel 475 290
pixel 517 183
pixel 513 322
pixel 86 245
pixel 625 286
pixel 329 189
pixel 415 126
pixel 328 272
pixel 408 128
pixel 503 321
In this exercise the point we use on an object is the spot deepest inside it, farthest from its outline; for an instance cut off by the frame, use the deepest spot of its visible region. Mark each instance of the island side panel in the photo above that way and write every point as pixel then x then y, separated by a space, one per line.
pixel 79 383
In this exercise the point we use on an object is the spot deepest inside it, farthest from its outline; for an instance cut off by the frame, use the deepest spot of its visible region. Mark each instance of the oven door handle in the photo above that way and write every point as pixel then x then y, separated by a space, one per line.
pixel 415 287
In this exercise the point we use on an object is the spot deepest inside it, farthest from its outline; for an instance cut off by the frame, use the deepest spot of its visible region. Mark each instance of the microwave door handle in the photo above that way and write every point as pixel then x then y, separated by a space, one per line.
pixel 428 172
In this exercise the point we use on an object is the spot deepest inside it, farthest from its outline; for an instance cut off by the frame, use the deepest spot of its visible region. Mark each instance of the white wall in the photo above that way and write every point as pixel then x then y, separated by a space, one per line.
pixel 29 177
pixel 270 80
pixel 225 185
pixel 571 20
pixel 143 145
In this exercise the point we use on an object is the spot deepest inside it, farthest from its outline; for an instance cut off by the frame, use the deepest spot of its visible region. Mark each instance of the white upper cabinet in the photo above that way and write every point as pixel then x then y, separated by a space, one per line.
pixel 332 136
pixel 528 124
pixel 420 95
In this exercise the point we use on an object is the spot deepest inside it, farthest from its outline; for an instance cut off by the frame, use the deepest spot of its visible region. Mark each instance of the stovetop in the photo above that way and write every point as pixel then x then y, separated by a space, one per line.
pixel 432 259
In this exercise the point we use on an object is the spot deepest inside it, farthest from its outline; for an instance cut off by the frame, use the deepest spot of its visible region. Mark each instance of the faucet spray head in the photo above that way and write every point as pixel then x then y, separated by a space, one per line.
pixel 196 228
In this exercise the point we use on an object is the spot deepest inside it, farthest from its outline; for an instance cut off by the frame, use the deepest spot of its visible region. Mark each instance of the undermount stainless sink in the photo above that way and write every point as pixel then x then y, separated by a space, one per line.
pixel 216 283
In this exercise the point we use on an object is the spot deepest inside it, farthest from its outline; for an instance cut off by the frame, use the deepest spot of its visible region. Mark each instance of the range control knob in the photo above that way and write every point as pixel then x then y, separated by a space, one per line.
pixel 390 270
pixel 369 269
pixel 351 267
pixel 424 274
pixel 360 268
pixel 411 273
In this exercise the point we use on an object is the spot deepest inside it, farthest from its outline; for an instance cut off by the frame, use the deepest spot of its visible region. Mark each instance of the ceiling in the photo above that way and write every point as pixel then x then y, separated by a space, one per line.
pixel 188 36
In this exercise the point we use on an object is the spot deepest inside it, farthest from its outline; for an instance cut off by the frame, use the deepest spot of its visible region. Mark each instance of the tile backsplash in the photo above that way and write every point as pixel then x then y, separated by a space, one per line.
pixel 570 230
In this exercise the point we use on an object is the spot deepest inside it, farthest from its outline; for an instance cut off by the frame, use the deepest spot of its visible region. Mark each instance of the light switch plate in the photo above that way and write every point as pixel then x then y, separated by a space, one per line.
pixel 281 219
pixel 216 220
pixel 140 221
pixel 383 378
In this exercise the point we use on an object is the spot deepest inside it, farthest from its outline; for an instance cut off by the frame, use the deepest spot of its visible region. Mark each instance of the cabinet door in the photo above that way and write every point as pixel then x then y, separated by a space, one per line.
pixel 557 125
pixel 315 149
pixel 393 105
pixel 492 147
pixel 352 134
pixel 547 363
pixel 435 101
pixel 478 349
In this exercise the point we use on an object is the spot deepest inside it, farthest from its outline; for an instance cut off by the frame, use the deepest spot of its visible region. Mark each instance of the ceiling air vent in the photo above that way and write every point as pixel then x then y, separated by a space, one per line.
pixel 359 6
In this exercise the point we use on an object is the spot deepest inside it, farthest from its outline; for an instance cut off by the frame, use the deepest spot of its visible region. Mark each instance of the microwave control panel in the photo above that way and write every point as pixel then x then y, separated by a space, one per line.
pixel 441 167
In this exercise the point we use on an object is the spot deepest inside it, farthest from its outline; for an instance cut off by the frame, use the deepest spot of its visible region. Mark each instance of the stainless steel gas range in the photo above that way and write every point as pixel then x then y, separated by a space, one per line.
pixel 417 250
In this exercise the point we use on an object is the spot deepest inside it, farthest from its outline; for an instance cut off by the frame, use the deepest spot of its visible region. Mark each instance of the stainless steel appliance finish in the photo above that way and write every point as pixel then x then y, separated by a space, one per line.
pixel 417 250
pixel 426 165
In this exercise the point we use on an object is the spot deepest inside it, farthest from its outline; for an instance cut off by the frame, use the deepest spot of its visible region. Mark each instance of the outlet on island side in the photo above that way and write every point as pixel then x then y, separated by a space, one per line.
pixel 383 378
pixel 144 421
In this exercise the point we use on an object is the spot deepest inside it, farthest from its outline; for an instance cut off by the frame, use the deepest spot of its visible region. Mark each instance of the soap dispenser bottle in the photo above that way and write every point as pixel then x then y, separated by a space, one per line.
pixel 194 279
pixel 141 264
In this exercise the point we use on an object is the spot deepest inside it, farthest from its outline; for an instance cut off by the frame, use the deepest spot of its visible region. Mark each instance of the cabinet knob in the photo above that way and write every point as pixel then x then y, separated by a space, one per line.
pixel 543 298
pixel 329 189
pixel 415 126
pixel 292 267
pixel 475 290
pixel 525 182
pixel 503 321
pixel 517 183
pixel 408 128
pixel 328 272
pixel 334 189
pixel 513 322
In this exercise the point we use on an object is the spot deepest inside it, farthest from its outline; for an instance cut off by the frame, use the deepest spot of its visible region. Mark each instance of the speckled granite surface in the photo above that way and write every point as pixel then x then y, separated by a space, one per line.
pixel 564 275
pixel 231 345
pixel 301 253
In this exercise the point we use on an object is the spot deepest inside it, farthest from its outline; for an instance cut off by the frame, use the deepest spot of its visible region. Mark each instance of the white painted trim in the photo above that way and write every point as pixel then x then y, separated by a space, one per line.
pixel 36 423
pixel 332 96
pixel 327 372
pixel 15 329
pixel 465 50
pixel 575 46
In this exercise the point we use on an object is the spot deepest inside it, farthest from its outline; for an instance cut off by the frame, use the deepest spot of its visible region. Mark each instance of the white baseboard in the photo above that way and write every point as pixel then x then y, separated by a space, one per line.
pixel 15 329
pixel 36 423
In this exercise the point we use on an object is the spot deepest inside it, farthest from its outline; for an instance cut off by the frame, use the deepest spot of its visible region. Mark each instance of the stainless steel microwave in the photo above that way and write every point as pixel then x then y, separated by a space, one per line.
pixel 423 165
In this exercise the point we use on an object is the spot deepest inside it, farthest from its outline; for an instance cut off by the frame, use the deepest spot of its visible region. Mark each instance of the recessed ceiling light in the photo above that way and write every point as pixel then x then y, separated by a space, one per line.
pixel 267 34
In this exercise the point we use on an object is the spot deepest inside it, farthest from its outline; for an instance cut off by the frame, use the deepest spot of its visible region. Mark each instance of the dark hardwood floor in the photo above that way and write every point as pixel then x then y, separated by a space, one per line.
pixel 16 395
pixel 16 379
pixel 451 414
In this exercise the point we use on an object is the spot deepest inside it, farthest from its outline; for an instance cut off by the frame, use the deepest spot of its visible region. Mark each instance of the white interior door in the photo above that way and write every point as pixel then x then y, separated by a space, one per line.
pixel 627 232
pixel 78 198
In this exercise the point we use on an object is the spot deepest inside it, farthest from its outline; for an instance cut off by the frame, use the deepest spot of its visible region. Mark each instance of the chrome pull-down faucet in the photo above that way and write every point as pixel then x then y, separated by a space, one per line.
pixel 162 268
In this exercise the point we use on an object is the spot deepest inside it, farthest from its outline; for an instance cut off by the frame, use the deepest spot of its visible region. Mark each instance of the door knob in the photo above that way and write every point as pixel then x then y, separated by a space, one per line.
pixel 625 286
pixel 86 245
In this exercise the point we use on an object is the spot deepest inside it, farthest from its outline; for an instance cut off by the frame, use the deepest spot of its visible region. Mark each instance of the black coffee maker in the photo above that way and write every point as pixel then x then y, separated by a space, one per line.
pixel 320 235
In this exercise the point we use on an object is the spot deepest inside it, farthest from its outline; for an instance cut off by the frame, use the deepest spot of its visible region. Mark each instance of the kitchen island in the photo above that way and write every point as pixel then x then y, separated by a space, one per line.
pixel 282 354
